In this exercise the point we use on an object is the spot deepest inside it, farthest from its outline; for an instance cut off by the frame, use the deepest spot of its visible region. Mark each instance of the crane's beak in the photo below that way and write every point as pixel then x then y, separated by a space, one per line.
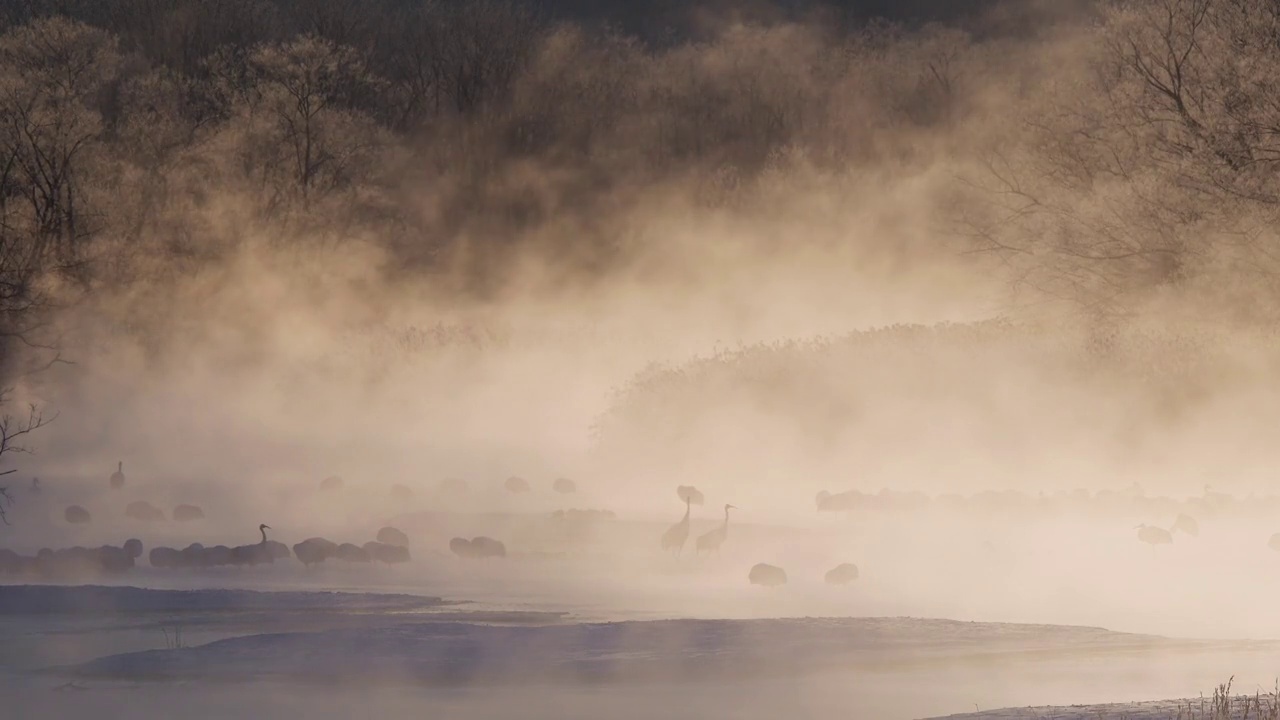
pixel 268 527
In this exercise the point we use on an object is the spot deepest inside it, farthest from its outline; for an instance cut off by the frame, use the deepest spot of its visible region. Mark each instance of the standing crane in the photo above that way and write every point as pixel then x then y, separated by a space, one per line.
pixel 712 540
pixel 676 535
pixel 256 554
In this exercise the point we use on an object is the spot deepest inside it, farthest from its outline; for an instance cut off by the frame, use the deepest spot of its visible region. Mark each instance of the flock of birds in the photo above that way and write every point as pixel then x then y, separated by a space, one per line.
pixel 676 536
pixel 1099 504
pixel 391 546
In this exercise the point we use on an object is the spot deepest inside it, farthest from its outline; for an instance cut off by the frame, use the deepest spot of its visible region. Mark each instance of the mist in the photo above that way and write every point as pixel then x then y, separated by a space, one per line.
pixel 997 279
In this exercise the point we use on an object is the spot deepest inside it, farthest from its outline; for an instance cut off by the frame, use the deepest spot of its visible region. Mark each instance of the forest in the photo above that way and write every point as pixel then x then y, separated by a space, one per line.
pixel 1098 159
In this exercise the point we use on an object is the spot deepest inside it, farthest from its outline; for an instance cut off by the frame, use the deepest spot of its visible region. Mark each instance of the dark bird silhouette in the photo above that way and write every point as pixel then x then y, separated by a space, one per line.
pixel 711 541
pixel 392 536
pixel 165 557
pixel 564 486
pixel 842 574
pixel 314 551
pixel 516 485
pixel 488 547
pixel 77 515
pixel 133 547
pixel 117 477
pixel 144 511
pixel 386 552
pixel 1154 536
pixel 767 575
pixel 188 513
pixel 1186 524
pixel 193 556
pixel 477 548
pixel 348 552
pixel 257 554
pixel 690 494
pixel 675 537
pixel 840 502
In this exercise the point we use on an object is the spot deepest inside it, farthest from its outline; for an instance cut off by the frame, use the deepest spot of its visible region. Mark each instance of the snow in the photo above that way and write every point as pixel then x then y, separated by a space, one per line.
pixel 1187 709
pixel 322 655
pixel 99 600
pixel 461 653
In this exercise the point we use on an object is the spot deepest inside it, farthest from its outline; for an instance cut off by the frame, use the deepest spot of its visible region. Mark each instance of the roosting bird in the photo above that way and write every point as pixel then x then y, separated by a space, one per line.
pixel 144 511
pixel 676 535
pixel 11 563
pixel 117 477
pixel 165 557
pixel 386 552
pixel 487 547
pixel 314 551
pixel 1154 536
pixel 711 541
pixel 192 556
pixel 461 547
pixel 840 502
pixel 842 574
pixel 477 548
pixel 217 556
pixel 133 546
pixel 564 486
pixel 188 513
pixel 690 494
pixel 516 484
pixel 392 536
pixel 767 575
pixel 77 515
pixel 114 559
pixel 1187 524
pixel 352 553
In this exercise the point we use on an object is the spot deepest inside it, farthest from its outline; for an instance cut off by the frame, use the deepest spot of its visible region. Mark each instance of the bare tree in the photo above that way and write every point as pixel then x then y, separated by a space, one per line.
pixel 52 74
pixel 307 89
pixel 12 432
pixel 1156 160
pixel 483 49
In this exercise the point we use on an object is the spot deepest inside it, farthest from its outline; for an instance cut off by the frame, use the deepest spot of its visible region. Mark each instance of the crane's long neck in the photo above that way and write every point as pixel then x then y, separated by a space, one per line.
pixel 726 521
pixel 264 534
pixel 688 505
pixel 120 466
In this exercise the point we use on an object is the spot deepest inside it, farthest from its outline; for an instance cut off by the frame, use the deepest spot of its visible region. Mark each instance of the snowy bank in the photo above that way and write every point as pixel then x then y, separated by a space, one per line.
pixel 455 653
pixel 101 600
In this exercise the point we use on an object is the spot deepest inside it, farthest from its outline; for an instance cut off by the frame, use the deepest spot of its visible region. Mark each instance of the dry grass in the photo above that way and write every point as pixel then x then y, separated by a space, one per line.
pixel 1225 706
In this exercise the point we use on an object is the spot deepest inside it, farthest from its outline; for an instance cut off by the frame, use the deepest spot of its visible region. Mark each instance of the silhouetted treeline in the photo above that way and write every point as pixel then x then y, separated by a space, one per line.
pixel 156 25
pixel 147 138
pixel 143 141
